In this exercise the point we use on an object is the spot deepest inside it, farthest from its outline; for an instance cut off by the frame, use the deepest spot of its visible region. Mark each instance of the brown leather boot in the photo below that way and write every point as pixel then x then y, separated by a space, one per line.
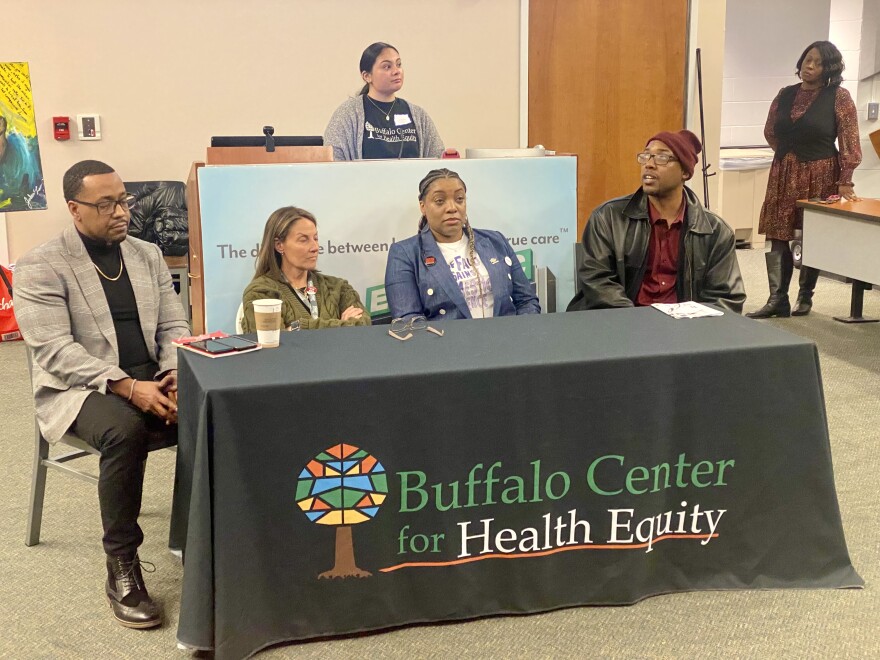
pixel 129 600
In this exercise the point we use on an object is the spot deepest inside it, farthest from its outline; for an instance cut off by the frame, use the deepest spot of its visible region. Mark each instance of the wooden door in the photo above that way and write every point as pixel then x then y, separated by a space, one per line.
pixel 604 76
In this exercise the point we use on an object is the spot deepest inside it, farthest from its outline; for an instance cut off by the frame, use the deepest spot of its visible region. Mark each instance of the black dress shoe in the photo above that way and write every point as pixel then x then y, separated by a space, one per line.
pixel 129 600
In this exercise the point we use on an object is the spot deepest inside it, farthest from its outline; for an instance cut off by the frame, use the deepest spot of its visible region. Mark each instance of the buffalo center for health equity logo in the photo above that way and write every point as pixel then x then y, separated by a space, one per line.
pixel 342 486
pixel 518 510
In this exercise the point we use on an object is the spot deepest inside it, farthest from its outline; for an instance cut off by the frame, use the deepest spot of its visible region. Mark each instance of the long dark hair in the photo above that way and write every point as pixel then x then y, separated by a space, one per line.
pixel 368 59
pixel 832 62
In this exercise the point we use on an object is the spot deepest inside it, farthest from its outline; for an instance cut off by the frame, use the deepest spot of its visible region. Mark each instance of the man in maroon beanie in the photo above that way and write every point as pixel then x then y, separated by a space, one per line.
pixel 659 245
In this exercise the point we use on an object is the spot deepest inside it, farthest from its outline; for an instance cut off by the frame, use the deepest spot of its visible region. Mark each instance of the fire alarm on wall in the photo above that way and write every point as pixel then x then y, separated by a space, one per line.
pixel 89 127
pixel 61 128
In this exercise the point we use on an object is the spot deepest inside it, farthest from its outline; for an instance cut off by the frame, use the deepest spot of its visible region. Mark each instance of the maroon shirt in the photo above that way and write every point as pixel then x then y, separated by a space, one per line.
pixel 661 269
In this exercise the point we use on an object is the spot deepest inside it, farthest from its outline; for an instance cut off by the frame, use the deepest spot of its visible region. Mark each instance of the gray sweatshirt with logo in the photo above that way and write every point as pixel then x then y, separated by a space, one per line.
pixel 345 132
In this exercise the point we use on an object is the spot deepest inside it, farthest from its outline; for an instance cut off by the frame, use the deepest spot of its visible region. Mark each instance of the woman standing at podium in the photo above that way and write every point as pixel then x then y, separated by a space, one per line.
pixel 802 126
pixel 377 123
pixel 287 271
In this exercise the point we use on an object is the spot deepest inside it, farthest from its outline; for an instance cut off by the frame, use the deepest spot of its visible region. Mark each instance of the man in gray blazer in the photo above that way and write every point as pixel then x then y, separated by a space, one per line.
pixel 98 312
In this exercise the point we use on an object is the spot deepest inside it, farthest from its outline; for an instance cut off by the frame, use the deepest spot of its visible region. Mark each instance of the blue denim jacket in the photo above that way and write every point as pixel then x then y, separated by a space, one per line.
pixel 418 280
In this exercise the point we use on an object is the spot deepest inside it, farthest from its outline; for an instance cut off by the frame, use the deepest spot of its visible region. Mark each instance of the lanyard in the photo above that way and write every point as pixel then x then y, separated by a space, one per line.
pixel 312 292
pixel 309 299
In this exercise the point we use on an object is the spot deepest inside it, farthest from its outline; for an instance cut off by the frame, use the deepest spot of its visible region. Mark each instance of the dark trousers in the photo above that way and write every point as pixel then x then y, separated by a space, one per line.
pixel 122 434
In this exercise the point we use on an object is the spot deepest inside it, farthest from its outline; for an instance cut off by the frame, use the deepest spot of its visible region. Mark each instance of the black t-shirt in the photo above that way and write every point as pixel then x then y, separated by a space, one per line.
pixel 395 137
pixel 123 306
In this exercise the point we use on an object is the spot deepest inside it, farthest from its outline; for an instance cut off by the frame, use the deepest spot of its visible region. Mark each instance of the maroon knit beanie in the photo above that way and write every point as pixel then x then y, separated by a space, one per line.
pixel 684 144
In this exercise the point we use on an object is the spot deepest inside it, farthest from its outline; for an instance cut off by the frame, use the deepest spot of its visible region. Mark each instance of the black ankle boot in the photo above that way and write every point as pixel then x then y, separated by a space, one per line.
pixel 807 282
pixel 129 600
pixel 779 270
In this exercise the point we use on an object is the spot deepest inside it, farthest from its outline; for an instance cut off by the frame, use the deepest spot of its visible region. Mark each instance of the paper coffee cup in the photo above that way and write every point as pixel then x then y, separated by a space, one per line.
pixel 267 313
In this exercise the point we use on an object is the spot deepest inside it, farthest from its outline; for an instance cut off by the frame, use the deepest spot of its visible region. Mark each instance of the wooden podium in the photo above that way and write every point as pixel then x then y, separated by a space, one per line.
pixel 230 156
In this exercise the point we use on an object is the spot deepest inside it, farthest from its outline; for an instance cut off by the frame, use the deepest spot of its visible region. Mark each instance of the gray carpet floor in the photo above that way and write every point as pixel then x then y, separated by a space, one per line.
pixel 52 603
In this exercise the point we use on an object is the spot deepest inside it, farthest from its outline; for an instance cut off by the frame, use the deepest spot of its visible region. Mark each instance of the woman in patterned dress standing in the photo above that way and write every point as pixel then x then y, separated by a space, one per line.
pixel 802 126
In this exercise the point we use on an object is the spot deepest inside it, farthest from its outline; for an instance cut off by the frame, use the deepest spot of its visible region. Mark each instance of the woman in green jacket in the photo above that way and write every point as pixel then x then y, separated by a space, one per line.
pixel 286 271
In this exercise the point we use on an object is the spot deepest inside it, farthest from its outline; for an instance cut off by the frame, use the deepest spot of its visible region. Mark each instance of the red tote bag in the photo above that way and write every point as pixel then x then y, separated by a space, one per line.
pixel 8 325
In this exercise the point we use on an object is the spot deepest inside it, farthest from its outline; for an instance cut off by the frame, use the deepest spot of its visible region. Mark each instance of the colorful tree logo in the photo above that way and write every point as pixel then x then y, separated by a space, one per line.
pixel 342 486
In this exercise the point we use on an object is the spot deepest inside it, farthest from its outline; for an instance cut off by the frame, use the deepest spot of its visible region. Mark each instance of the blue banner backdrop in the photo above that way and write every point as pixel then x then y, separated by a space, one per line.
pixel 363 207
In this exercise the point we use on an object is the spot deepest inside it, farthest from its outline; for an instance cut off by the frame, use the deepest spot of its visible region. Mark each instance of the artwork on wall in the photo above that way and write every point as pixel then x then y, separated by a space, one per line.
pixel 21 174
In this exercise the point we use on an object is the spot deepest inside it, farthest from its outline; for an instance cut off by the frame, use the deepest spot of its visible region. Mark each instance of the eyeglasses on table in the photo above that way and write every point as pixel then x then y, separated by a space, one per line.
pixel 401 329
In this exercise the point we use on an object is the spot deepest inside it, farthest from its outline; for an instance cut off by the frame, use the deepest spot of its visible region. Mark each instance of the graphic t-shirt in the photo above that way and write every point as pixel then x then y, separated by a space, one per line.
pixel 464 274
pixel 395 137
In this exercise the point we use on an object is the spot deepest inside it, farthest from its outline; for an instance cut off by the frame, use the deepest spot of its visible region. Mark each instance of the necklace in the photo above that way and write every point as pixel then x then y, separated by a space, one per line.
pixel 107 277
pixel 376 105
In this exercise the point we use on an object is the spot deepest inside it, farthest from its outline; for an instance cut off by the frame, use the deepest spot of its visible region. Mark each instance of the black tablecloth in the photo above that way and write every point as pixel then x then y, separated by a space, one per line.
pixel 530 463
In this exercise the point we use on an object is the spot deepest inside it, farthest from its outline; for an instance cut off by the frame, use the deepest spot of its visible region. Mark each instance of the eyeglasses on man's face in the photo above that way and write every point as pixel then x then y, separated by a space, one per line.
pixel 108 206
pixel 400 328
pixel 659 159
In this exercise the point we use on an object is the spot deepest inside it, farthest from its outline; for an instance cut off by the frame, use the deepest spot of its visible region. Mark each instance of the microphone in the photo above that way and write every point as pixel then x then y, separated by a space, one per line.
pixel 269 131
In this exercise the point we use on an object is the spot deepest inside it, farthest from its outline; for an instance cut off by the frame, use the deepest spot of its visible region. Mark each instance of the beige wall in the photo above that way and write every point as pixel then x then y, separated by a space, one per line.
pixel 167 74
pixel 707 34
pixel 853 29
pixel 764 41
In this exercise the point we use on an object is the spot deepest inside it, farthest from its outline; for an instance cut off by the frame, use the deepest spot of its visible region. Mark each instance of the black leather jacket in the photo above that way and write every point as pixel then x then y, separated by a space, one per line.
pixel 616 244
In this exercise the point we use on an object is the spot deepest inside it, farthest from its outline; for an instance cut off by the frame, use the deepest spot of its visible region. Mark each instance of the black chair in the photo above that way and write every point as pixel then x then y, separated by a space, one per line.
pixel 159 216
